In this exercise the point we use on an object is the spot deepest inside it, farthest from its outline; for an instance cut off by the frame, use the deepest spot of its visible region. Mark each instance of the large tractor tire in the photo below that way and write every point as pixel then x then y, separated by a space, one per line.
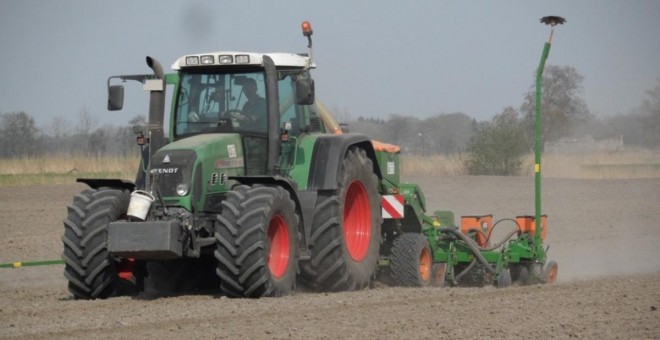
pixel 90 269
pixel 345 237
pixel 411 262
pixel 257 242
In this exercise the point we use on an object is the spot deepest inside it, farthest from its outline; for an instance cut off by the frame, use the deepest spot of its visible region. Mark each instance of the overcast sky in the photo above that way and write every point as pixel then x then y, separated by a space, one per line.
pixel 374 58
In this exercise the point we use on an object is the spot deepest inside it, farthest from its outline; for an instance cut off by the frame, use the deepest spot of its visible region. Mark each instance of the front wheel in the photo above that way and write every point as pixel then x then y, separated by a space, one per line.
pixel 90 269
pixel 257 242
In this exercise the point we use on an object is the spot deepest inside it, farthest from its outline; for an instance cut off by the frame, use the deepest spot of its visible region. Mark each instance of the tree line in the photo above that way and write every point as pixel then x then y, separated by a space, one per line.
pixel 496 147
pixel 493 147
pixel 20 137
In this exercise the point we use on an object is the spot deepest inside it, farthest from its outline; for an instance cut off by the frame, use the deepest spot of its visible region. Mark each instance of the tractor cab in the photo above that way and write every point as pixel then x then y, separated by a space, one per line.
pixel 229 92
pixel 260 97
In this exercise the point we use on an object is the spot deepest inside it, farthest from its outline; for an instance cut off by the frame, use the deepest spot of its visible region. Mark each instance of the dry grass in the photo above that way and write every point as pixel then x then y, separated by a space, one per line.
pixel 603 165
pixel 436 165
pixel 59 170
pixel 622 164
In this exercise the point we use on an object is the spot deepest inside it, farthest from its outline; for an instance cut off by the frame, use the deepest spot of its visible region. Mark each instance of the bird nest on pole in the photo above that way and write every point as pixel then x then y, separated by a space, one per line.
pixel 553 20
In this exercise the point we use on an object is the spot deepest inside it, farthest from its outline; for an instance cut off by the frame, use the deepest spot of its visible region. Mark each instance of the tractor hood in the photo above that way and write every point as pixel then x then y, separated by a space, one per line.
pixel 215 141
pixel 188 170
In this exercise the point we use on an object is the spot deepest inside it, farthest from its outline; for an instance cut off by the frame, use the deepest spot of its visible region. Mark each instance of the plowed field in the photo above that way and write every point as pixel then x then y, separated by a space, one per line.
pixel 605 235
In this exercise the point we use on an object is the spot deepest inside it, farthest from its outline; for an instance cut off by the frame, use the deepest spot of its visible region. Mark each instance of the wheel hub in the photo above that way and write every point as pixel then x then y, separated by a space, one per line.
pixel 278 257
pixel 357 221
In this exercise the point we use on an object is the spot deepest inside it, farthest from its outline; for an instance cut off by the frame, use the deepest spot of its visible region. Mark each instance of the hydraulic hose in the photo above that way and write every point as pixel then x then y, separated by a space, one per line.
pixel 487 236
pixel 460 275
pixel 506 238
pixel 497 245
pixel 476 250
pixel 30 264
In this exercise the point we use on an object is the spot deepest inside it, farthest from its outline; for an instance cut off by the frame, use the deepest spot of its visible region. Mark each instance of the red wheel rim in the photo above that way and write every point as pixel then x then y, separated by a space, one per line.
pixel 425 264
pixel 357 221
pixel 278 257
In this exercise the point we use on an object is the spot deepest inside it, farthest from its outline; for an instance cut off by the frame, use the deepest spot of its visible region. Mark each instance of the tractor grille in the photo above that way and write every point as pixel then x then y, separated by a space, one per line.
pixel 171 168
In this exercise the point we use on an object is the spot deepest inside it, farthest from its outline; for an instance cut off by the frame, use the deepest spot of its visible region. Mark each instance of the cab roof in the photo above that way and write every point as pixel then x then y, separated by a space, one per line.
pixel 234 58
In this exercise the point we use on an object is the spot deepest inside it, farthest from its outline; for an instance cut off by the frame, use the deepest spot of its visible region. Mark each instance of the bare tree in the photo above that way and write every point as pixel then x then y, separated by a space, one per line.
pixel 18 135
pixel 84 136
pixel 402 130
pixel 640 126
pixel 138 120
pixel 650 117
pixel 86 122
pixel 60 127
pixel 561 103
pixel 446 133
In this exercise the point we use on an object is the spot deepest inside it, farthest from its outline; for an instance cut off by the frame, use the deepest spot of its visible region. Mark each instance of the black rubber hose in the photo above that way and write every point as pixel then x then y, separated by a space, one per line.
pixel 476 250
pixel 460 275
pixel 490 232
pixel 497 245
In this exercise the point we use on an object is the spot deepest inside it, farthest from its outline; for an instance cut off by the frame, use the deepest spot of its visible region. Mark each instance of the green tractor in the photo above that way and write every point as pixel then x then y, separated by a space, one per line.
pixel 257 189
pixel 255 185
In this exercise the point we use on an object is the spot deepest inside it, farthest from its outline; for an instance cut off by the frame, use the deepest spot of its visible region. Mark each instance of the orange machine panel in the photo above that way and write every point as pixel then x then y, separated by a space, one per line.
pixel 480 225
pixel 527 225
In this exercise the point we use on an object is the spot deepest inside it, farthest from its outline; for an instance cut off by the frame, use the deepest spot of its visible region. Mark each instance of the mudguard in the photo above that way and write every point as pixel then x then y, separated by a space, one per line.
pixel 96 183
pixel 327 157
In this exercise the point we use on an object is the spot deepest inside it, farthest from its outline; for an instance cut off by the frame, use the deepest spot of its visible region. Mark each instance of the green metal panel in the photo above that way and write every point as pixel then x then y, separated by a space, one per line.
pixel 304 149
pixel 388 162
pixel 414 196
pixel 219 155
pixel 445 218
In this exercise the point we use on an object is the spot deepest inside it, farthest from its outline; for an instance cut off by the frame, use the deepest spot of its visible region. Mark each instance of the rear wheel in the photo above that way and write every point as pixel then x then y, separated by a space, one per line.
pixel 91 271
pixel 411 263
pixel 345 238
pixel 257 242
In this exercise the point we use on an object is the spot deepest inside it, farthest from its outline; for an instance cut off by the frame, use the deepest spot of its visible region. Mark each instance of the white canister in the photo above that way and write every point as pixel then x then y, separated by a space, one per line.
pixel 139 205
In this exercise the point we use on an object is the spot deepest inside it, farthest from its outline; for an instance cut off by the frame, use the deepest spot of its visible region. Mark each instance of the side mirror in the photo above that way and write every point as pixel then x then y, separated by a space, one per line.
pixel 305 91
pixel 115 97
pixel 343 127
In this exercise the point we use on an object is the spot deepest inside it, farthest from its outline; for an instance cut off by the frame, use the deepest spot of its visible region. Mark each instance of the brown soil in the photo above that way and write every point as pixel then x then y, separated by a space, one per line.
pixel 604 234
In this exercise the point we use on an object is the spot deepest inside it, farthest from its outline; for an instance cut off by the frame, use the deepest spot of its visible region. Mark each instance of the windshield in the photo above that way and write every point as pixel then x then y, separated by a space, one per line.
pixel 217 102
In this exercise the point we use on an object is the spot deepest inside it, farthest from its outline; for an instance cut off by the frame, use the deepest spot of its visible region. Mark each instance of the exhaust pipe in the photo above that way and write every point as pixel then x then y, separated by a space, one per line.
pixel 156 108
pixel 272 167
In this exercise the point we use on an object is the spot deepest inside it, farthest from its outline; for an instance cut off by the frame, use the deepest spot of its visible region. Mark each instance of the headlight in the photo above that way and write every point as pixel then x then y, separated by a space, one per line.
pixel 194 60
pixel 225 59
pixel 182 189
pixel 242 59
pixel 207 59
